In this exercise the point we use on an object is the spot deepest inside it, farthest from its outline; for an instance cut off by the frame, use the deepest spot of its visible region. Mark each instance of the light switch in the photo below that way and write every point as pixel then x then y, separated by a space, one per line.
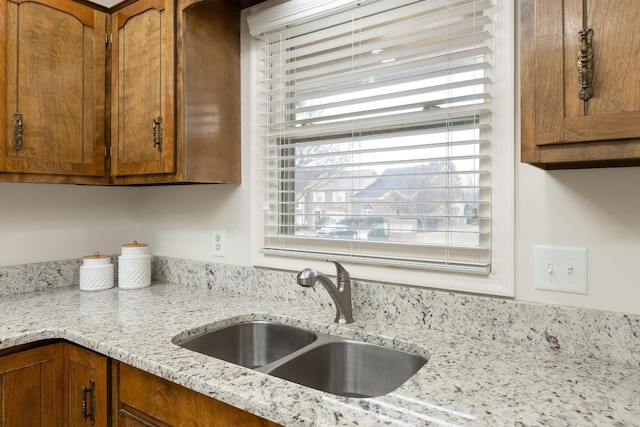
pixel 561 269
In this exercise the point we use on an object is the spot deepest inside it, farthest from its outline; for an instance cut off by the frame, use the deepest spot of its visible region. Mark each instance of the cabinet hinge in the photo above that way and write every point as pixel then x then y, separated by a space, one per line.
pixel 106 153
pixel 108 38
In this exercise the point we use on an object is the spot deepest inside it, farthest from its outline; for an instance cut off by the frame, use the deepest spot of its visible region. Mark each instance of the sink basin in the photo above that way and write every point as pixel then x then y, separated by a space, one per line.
pixel 250 344
pixel 351 368
pixel 321 361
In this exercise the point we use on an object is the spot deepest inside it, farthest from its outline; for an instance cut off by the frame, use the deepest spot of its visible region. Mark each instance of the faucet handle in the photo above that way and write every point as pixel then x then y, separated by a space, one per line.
pixel 342 273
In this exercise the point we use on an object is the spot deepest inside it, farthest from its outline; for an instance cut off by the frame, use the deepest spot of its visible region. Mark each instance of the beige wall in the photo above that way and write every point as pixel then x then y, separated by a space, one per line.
pixel 178 221
pixel 598 209
pixel 49 222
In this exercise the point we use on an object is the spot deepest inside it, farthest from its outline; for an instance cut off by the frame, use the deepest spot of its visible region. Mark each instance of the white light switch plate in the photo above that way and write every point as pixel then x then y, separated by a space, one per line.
pixel 561 269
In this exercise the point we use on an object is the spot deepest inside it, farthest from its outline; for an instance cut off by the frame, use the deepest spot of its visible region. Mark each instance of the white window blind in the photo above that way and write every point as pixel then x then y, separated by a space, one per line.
pixel 376 126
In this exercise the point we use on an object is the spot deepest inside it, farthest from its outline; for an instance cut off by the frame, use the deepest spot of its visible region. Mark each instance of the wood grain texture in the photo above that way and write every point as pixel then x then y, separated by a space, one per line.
pixel 559 129
pixel 41 385
pixel 142 88
pixel 207 97
pixel 142 399
pixel 80 367
pixel 31 382
pixel 52 63
pixel 210 93
pixel 178 61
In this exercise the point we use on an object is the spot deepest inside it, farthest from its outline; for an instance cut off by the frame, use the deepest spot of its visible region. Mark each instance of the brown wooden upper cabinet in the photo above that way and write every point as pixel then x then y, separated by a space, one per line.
pixel 580 86
pixel 174 97
pixel 175 92
pixel 52 97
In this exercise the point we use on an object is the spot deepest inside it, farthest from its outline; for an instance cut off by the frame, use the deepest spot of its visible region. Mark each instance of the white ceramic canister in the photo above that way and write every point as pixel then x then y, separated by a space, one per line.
pixel 134 266
pixel 96 272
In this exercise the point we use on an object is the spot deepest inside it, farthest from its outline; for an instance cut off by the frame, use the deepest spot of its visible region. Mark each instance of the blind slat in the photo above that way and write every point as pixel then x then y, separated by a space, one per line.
pixel 437 118
pixel 435 64
pixel 326 100
pixel 298 71
pixel 382 37
pixel 307 92
pixel 376 13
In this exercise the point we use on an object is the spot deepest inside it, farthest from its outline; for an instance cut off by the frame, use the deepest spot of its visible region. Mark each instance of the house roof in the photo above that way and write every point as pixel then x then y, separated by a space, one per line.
pixel 407 181
pixel 336 180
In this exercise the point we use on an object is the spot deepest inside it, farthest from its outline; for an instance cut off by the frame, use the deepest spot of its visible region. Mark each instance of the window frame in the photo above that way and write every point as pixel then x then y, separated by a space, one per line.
pixel 501 279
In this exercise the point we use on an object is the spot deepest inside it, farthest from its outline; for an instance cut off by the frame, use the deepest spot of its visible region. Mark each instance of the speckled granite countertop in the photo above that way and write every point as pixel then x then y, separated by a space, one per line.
pixel 466 381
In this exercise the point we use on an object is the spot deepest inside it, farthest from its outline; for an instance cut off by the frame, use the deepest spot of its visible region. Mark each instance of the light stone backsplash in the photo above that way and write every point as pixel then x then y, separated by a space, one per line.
pixel 18 279
pixel 566 330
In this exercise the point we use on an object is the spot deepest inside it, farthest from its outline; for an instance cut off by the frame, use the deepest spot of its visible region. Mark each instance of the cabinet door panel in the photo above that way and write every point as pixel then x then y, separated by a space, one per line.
pixel 616 56
pixel 30 384
pixel 561 115
pixel 142 399
pixel 558 128
pixel 55 59
pixel 143 89
pixel 82 366
pixel 614 110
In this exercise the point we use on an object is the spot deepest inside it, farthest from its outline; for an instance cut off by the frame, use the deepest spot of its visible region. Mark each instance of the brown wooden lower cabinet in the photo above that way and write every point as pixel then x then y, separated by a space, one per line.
pixel 143 399
pixel 56 384
pixel 29 383
pixel 86 379
pixel 61 384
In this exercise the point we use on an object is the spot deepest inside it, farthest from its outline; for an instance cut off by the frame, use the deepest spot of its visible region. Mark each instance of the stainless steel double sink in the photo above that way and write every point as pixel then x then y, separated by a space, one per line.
pixel 324 362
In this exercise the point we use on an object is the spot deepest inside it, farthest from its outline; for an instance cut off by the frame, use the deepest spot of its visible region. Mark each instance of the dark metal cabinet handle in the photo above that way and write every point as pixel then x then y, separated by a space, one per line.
pixel 89 414
pixel 585 64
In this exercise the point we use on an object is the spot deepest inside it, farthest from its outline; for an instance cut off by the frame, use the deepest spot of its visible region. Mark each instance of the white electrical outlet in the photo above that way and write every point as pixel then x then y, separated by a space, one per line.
pixel 561 269
pixel 218 242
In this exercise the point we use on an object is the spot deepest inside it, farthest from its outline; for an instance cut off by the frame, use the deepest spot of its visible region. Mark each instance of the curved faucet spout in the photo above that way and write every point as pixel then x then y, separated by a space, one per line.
pixel 341 294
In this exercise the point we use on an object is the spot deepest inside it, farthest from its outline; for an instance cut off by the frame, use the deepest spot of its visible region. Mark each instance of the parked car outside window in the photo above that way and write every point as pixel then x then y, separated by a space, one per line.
pixel 337 232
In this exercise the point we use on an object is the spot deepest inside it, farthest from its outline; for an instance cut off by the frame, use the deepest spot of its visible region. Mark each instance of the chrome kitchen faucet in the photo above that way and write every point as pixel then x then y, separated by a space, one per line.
pixel 341 294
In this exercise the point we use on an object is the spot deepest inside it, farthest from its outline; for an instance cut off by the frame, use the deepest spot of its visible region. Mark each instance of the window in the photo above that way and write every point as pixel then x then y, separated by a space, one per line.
pixel 393 104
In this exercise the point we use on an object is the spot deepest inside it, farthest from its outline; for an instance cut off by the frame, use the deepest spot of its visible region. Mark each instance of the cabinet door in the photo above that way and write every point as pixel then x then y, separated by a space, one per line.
pixel 52 83
pixel 142 131
pixel 30 387
pixel 142 399
pixel 558 125
pixel 86 374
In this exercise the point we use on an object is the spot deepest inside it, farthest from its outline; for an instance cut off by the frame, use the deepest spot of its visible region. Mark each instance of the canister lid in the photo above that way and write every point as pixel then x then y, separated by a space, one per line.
pixel 96 255
pixel 135 244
